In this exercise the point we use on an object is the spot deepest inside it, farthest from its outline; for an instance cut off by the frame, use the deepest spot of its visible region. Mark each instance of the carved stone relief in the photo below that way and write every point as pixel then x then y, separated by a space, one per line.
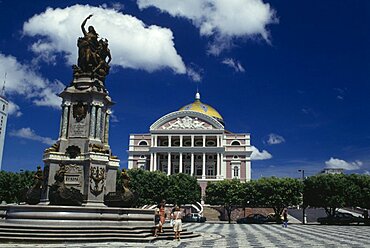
pixel 97 178
pixel 188 123
pixel 79 111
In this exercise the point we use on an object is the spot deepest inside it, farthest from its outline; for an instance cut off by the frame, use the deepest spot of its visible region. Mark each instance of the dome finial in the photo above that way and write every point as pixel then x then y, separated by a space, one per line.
pixel 197 96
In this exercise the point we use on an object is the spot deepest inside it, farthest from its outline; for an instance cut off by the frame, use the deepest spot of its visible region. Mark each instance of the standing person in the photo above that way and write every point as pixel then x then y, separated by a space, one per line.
pixel 285 217
pixel 162 215
pixel 171 216
pixel 177 223
pixel 156 222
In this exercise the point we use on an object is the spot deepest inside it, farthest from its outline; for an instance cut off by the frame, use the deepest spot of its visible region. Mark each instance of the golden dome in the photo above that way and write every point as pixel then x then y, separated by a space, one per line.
pixel 203 108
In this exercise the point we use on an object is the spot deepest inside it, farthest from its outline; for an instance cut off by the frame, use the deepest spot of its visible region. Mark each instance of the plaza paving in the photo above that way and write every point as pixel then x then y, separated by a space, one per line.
pixel 235 235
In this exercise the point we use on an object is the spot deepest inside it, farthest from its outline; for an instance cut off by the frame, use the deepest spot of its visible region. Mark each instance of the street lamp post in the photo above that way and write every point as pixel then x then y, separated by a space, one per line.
pixel 304 217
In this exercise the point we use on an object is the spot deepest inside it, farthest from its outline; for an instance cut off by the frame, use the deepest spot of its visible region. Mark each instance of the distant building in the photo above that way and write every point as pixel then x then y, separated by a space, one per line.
pixel 331 171
pixel 193 140
pixel 3 118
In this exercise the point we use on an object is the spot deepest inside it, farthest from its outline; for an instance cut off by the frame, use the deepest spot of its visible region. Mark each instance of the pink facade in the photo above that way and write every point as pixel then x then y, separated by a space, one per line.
pixel 242 171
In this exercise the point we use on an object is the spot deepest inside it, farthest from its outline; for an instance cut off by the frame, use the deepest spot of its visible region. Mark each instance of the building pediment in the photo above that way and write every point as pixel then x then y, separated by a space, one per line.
pixel 186 120
pixel 186 123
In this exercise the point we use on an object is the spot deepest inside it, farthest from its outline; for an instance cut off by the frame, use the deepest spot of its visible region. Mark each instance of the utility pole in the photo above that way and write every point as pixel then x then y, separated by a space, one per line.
pixel 304 217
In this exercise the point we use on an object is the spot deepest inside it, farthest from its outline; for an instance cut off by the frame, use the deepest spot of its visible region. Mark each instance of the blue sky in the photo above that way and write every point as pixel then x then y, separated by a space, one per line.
pixel 293 74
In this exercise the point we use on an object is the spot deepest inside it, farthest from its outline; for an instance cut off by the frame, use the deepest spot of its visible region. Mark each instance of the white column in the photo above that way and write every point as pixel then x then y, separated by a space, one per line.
pixel 181 139
pixel 61 122
pixel 223 168
pixel 192 141
pixel 248 170
pixel 155 140
pixel 155 162
pixel 204 141
pixel 204 166
pixel 192 164
pixel 65 121
pixel 169 140
pixel 92 121
pixel 218 141
pixel 98 123
pixel 106 128
pixel 169 164
pixel 151 162
pixel 180 163
pixel 218 166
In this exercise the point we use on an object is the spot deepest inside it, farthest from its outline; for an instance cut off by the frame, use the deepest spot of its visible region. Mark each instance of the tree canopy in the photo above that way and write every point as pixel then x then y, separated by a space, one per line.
pixel 336 191
pixel 154 186
pixel 227 193
pixel 277 193
pixel 13 185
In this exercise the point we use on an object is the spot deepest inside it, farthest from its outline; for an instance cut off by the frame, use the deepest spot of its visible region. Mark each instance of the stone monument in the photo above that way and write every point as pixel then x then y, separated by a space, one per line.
pixel 82 154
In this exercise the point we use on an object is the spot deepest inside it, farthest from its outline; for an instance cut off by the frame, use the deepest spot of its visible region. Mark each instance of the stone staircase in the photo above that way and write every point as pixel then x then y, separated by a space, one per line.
pixel 211 214
pixel 57 234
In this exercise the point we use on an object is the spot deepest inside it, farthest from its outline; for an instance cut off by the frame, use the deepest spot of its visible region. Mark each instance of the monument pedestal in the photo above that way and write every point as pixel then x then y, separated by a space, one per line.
pixel 82 156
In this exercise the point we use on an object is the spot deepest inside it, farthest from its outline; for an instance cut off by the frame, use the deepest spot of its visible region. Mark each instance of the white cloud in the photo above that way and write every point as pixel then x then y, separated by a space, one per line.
pixel 132 43
pixel 275 139
pixel 118 6
pixel 193 74
pixel 25 81
pixel 113 117
pixel 13 109
pixel 367 172
pixel 28 133
pixel 222 19
pixel 257 155
pixel 340 93
pixel 233 64
pixel 341 164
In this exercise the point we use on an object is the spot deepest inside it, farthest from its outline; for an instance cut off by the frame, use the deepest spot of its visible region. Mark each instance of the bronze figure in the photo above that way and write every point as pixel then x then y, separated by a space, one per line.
pixel 61 195
pixel 33 195
pixel 92 54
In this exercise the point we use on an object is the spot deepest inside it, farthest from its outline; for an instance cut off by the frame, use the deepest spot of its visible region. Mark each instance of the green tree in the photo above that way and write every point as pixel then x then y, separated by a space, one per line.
pixel 277 193
pixel 249 194
pixel 327 191
pixel 358 191
pixel 150 186
pixel 13 186
pixel 182 189
pixel 226 193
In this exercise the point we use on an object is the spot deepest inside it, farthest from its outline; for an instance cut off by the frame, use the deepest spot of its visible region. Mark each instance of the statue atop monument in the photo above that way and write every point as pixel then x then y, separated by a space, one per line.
pixel 92 54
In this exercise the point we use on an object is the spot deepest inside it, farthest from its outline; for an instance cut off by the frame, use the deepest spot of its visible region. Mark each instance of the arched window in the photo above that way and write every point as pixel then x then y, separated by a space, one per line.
pixel 143 143
pixel 199 143
pixel 210 170
pixel 187 143
pixel 187 169
pixel 211 143
pixel 235 143
pixel 236 171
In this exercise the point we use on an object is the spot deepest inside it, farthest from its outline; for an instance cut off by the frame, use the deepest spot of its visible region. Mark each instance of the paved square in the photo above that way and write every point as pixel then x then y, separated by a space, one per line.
pixel 250 235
